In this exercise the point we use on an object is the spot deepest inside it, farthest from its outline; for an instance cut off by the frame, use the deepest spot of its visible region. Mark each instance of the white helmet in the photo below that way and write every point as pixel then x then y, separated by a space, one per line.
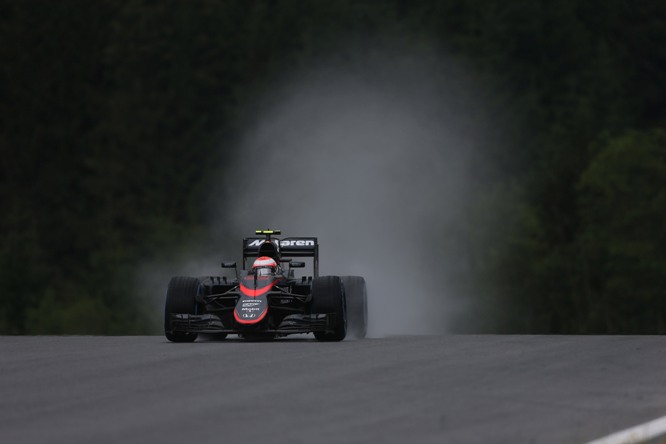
pixel 264 266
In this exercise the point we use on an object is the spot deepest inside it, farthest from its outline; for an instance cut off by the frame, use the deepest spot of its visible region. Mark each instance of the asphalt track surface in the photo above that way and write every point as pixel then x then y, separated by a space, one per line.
pixel 410 389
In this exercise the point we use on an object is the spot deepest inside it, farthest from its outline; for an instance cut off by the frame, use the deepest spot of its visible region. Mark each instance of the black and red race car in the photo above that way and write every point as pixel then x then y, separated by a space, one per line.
pixel 265 299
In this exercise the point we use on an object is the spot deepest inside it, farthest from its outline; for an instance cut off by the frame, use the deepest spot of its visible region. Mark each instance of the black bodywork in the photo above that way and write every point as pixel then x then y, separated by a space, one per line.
pixel 248 305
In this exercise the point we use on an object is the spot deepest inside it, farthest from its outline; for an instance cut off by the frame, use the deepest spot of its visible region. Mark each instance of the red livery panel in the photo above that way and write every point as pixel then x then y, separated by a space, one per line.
pixel 252 306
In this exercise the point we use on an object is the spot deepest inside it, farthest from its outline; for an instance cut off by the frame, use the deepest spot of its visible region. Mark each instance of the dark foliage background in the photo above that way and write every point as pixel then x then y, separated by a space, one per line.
pixel 112 115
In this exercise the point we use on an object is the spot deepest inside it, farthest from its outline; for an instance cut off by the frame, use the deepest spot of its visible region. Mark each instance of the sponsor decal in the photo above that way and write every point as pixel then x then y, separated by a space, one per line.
pixel 286 243
pixel 250 311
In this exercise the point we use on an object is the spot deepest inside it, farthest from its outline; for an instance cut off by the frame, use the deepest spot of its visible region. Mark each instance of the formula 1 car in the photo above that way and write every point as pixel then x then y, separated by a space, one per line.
pixel 266 300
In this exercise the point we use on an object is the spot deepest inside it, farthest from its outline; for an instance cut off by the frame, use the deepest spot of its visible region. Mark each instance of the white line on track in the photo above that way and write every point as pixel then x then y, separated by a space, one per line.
pixel 640 434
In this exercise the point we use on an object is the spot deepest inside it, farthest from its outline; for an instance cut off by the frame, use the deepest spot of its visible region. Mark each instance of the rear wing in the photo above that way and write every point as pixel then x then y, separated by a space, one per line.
pixel 290 247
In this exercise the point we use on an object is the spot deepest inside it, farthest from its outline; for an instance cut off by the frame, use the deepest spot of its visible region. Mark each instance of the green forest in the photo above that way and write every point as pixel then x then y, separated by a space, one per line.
pixel 112 114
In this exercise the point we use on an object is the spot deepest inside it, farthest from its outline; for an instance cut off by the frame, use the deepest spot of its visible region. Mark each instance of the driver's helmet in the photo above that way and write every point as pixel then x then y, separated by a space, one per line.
pixel 264 266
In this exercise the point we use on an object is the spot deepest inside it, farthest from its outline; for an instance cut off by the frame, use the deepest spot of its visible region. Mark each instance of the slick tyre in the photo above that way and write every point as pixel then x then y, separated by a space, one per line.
pixel 180 298
pixel 328 297
pixel 356 297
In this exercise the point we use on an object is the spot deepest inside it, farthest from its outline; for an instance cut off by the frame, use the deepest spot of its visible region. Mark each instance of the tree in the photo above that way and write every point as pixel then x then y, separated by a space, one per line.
pixel 623 244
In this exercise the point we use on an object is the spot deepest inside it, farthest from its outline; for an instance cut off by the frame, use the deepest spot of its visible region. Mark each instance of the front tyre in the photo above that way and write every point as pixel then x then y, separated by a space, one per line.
pixel 180 299
pixel 328 297
pixel 356 296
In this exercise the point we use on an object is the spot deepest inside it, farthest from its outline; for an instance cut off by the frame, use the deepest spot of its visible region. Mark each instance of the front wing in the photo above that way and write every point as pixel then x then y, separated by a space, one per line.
pixel 292 324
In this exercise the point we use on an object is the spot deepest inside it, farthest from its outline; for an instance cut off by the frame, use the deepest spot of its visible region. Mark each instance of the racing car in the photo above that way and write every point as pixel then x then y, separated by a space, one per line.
pixel 265 299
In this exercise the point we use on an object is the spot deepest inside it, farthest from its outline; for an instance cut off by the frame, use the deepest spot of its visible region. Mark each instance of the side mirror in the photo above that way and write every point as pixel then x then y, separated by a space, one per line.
pixel 297 264
pixel 228 264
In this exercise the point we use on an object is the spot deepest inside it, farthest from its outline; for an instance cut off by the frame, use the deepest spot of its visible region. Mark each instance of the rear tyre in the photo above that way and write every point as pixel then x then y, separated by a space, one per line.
pixel 328 297
pixel 356 296
pixel 180 298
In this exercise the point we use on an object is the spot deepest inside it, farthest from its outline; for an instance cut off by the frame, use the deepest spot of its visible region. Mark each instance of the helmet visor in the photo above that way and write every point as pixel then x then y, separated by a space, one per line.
pixel 264 271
